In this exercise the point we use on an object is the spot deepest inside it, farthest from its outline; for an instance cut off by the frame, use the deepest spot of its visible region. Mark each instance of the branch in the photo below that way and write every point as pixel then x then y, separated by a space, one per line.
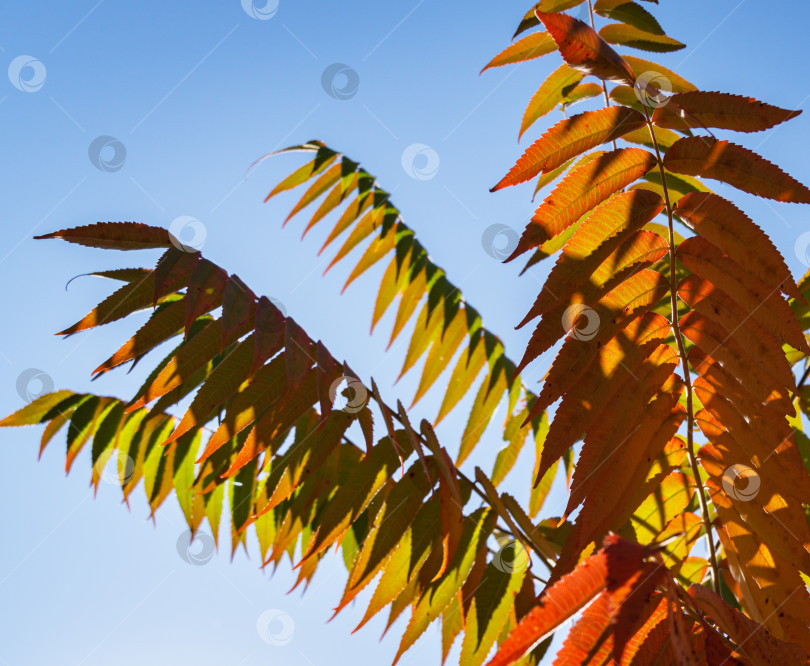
pixel 690 415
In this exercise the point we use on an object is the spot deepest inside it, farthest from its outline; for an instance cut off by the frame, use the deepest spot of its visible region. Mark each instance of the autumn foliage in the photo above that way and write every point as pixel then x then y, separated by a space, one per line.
pixel 685 538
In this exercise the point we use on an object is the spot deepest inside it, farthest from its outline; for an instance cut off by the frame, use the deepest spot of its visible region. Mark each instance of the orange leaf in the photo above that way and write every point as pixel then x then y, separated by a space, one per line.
pixel 767 581
pixel 735 165
pixel 263 389
pixel 571 137
pixel 558 603
pixel 647 642
pixel 221 384
pixel 619 567
pixel 574 359
pixel 162 325
pixel 626 464
pixel 779 522
pixel 642 289
pixel 679 638
pixel 533 46
pixel 452 515
pixel 611 427
pixel 581 190
pixel 734 390
pixel 619 360
pixel 761 350
pixel 753 640
pixel 612 223
pixel 716 341
pixel 759 441
pixel 131 297
pixel 590 630
pixel 725 226
pixel 189 358
pixel 763 303
pixel 633 600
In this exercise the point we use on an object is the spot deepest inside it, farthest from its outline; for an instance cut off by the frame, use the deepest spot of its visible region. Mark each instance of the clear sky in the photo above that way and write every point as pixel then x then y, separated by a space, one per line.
pixel 190 94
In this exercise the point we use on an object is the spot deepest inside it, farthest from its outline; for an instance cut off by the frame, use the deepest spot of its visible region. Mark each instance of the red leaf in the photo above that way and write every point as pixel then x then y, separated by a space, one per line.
pixel 205 290
pixel 269 331
pixel 115 236
pixel 698 109
pixel 584 50
pixel 618 567
pixel 238 309
pixel 173 272
pixel 299 353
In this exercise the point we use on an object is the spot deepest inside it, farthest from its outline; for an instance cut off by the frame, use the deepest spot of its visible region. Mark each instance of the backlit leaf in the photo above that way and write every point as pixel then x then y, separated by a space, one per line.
pixel 580 191
pixel 735 165
pixel 571 137
pixel 115 236
pixel 638 38
pixel 530 47
pixel 584 50
pixel 697 109
pixel 551 93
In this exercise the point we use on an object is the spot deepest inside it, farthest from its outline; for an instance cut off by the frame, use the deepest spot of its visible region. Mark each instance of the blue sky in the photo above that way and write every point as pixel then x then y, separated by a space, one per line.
pixel 194 93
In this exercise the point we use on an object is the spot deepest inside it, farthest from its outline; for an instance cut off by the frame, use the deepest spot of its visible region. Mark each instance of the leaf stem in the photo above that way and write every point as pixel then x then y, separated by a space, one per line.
pixel 676 329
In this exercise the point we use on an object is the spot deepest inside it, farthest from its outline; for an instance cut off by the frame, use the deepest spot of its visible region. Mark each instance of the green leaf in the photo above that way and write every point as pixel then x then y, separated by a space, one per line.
pixel 466 370
pixel 221 384
pixel 629 35
pixel 491 604
pixel 435 598
pixel 186 449
pixel 324 157
pixel 551 93
pixel 397 515
pixel 353 496
pixel 83 424
pixel 486 401
pixel 40 410
pixel 405 562
pixel 167 321
pixel 515 436
pixel 628 12
pixel 242 490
